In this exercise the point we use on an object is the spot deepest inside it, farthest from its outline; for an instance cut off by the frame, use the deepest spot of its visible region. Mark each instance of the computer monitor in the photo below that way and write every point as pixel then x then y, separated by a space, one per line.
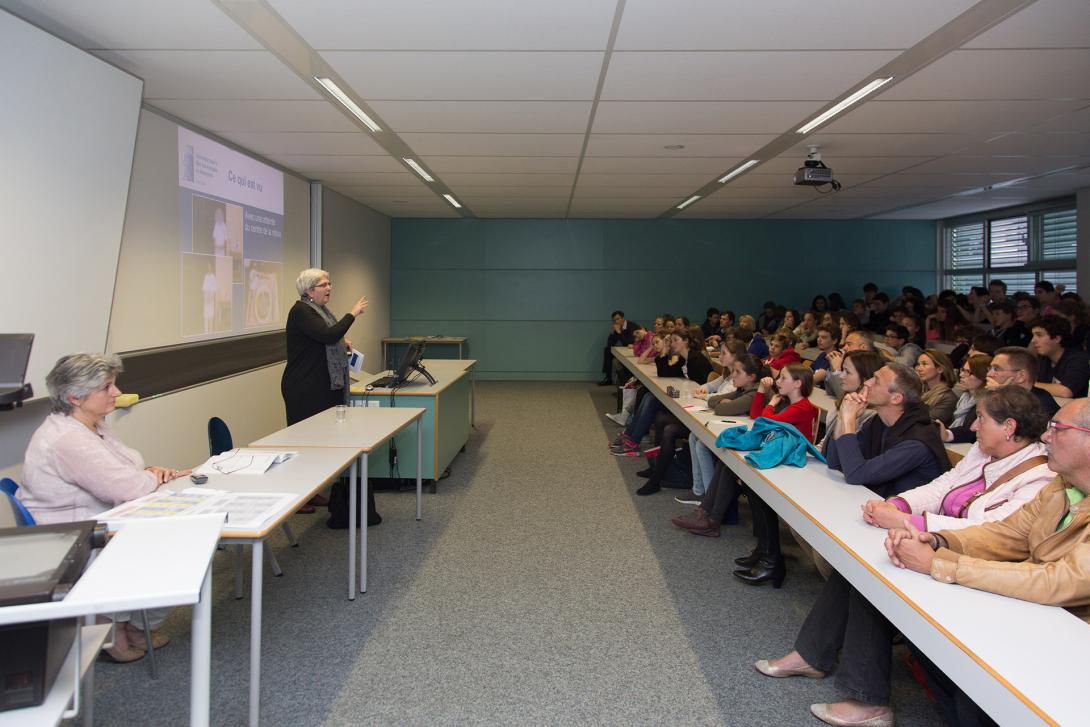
pixel 409 362
pixel 14 357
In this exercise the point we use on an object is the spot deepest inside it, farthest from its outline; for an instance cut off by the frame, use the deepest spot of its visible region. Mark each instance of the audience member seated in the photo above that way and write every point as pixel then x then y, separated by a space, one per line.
pixel 1062 371
pixel 820 304
pixel 941 323
pixel 1006 327
pixel 938 377
pixel 848 322
pixel 1027 309
pixel 1077 315
pixel 972 379
pixel 911 324
pixel 756 344
pixel 879 313
pixel 854 341
pixel 904 351
pixel 768 321
pixel 836 302
pixel 791 406
pixel 1003 471
pixel 997 291
pixel 619 335
pixel 780 352
pixel 1009 557
pixel 710 326
pixel 826 344
pixel 719 483
pixel 860 310
pixel 806 331
pixel 857 367
pixel 75 469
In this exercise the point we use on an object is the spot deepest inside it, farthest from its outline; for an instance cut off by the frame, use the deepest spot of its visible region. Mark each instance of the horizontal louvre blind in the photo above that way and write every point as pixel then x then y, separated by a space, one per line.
pixel 1066 277
pixel 1009 243
pixel 1058 235
pixel 965 246
pixel 962 283
pixel 1019 282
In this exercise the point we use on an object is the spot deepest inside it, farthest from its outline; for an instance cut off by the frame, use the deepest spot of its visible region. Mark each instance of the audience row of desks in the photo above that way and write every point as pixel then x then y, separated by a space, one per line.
pixel 1020 661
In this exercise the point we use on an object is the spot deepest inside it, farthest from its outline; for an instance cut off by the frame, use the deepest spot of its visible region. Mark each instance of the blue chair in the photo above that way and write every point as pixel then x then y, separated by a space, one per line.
pixel 220 441
pixel 22 515
pixel 9 487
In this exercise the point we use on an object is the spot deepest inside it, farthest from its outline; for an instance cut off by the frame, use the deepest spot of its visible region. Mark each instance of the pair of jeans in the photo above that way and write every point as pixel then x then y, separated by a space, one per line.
pixel 704 462
pixel 842 620
pixel 641 422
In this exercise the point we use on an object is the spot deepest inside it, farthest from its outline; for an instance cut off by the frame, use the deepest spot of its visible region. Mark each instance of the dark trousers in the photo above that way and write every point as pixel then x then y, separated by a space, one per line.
pixel 641 423
pixel 842 620
pixel 667 431
pixel 766 525
pixel 722 494
pixel 958 709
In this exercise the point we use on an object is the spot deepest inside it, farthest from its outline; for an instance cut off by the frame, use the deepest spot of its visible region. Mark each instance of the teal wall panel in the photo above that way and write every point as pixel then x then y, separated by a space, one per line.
pixel 534 296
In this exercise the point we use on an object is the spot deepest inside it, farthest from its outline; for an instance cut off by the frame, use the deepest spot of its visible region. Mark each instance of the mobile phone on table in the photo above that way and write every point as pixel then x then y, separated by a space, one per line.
pixel 198 479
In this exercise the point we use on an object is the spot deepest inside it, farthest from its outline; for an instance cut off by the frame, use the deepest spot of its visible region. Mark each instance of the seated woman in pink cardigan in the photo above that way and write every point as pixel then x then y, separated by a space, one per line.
pixel 75 468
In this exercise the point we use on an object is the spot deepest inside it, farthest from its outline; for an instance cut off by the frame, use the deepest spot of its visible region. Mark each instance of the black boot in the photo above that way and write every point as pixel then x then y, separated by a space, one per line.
pixel 768 568
pixel 646 473
pixel 748 561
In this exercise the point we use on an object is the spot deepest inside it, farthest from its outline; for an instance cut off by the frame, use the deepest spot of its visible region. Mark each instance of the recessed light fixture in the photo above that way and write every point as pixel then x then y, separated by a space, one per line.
pixel 353 108
pixel 674 147
pixel 418 169
pixel 738 170
pixel 688 202
pixel 453 201
pixel 853 99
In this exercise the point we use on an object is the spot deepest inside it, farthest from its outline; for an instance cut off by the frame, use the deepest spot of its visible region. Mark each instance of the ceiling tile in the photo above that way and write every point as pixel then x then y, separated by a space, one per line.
pixel 1018 166
pixel 658 165
pixel 393 179
pixel 258 115
pixel 385 191
pixel 741 76
pixel 470 76
pixel 495 144
pixel 1043 24
pixel 788 163
pixel 835 145
pixel 480 193
pixel 182 74
pixel 651 145
pixel 462 25
pixel 1000 74
pixel 1075 121
pixel 631 180
pixel 701 117
pixel 653 191
pixel 831 24
pixel 147 24
pixel 464 181
pixel 948 116
pixel 484 164
pixel 1054 145
pixel 271 144
pixel 528 117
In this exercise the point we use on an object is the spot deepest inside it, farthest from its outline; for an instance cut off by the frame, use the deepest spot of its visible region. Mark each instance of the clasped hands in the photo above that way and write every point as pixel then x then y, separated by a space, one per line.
pixel 907 546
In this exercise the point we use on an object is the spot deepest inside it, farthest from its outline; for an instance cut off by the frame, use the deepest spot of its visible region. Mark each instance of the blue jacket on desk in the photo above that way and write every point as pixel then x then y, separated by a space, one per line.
pixel 771 443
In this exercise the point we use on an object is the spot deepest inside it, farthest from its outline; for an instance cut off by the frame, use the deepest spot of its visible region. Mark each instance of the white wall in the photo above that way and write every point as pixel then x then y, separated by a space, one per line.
pixel 356 252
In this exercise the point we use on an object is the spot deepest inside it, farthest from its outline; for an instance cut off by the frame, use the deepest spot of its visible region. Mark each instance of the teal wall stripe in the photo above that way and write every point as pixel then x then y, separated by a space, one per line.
pixel 534 296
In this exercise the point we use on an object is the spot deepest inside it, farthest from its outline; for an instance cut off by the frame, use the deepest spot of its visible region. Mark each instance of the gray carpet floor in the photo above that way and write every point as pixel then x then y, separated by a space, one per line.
pixel 538 589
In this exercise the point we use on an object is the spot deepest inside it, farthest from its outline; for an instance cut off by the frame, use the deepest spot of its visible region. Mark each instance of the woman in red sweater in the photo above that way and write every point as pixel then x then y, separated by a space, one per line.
pixel 790 405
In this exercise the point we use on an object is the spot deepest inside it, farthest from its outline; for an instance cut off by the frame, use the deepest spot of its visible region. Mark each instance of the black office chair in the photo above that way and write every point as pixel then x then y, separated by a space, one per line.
pixel 219 441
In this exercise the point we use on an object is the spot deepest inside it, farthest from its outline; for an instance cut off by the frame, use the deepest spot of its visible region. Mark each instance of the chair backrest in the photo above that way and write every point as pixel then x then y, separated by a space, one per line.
pixel 19 512
pixel 219 437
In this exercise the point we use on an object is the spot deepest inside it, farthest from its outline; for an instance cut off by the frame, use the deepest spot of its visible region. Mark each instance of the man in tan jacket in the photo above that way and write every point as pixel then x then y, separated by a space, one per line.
pixel 1039 553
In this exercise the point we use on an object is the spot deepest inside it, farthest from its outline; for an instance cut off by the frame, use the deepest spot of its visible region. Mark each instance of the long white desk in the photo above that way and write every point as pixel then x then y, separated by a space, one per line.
pixel 1020 661
pixel 302 476
pixel 363 430
pixel 147 564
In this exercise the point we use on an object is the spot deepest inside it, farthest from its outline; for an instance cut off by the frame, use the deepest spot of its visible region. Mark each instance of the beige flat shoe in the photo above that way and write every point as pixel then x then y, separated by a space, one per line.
pixel 825 714
pixel 779 672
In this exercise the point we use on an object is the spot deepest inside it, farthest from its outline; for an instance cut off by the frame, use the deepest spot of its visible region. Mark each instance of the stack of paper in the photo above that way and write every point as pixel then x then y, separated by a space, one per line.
pixel 243 461
pixel 244 510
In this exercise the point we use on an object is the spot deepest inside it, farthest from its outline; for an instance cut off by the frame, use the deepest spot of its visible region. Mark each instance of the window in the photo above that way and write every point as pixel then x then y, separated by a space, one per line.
pixel 1018 249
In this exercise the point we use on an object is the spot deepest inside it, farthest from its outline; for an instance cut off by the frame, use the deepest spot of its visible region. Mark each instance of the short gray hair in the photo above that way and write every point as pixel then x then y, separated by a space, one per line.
pixel 308 279
pixel 868 339
pixel 78 374
pixel 906 382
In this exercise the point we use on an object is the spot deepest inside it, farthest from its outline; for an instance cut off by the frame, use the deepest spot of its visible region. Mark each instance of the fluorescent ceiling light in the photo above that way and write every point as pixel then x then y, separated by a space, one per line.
pixel 853 99
pixel 453 201
pixel 418 169
pixel 688 202
pixel 337 93
pixel 739 170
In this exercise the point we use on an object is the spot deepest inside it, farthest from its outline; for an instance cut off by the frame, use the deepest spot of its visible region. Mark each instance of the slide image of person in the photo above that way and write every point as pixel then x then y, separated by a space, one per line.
pixel 218 230
pixel 207 296
pixel 263 293
pixel 233 220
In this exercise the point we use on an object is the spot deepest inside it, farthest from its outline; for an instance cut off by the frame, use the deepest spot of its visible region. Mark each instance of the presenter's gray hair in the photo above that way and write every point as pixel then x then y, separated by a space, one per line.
pixel 308 279
pixel 78 374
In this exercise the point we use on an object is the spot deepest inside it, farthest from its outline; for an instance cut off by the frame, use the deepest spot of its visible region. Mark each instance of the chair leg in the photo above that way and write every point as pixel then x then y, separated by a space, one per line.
pixel 151 649
pixel 290 534
pixel 238 572
pixel 273 564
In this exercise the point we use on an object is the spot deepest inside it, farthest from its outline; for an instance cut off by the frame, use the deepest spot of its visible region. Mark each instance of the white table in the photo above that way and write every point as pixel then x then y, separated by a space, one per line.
pixel 1002 651
pixel 302 476
pixel 363 430
pixel 147 564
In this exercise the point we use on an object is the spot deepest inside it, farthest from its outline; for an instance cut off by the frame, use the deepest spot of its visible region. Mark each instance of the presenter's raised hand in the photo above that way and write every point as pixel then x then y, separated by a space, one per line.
pixel 359 307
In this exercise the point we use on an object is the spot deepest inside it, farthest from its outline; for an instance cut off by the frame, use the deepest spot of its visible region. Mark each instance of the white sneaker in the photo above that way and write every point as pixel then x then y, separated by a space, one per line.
pixel 620 419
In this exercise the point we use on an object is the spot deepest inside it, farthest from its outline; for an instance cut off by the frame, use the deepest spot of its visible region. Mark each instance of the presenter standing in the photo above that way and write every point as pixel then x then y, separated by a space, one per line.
pixel 316 375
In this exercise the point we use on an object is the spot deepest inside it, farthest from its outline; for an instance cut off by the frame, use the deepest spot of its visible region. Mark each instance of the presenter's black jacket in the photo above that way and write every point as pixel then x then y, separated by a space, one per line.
pixel 305 384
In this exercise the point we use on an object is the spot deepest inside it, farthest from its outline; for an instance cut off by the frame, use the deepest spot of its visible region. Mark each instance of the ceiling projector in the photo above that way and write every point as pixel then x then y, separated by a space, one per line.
pixel 814 173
